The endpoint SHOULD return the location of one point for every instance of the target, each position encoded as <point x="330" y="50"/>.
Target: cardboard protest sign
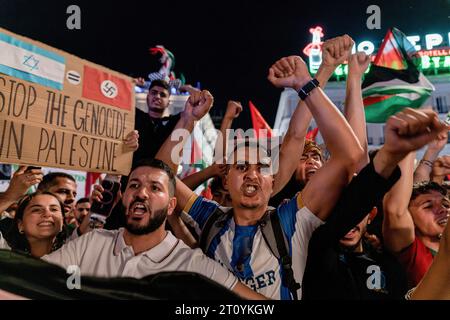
<point x="57" y="110"/>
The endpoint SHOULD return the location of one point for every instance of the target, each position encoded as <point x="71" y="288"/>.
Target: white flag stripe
<point x="38" y="65"/>
<point x="422" y="83"/>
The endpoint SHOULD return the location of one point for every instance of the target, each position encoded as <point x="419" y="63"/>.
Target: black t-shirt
<point x="331" y="273"/>
<point x="357" y="276"/>
<point x="152" y="133"/>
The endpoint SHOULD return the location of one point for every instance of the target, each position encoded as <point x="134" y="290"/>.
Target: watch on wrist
<point x="307" y="88"/>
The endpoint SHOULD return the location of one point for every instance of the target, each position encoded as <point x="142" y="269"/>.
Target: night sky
<point x="226" y="45"/>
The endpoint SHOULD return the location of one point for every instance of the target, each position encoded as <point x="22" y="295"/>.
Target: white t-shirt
<point x="243" y="250"/>
<point x="103" y="253"/>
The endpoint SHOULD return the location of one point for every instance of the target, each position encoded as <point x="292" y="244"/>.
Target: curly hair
<point x="18" y="241"/>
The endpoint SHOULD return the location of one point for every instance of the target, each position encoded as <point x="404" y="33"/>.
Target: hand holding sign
<point x="21" y="181"/>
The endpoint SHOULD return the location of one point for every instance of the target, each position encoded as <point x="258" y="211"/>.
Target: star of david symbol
<point x="31" y="62"/>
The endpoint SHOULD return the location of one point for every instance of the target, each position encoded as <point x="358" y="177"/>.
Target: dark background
<point x="226" y="45"/>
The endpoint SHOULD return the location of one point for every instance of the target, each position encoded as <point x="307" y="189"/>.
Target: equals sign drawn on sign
<point x="73" y="77"/>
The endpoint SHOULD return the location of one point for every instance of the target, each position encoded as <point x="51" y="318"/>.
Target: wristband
<point x="304" y="92"/>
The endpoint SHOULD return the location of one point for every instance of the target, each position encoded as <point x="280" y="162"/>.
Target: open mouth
<point x="45" y="224"/>
<point x="249" y="189"/>
<point x="310" y="172"/>
<point x="137" y="210"/>
<point x="443" y="222"/>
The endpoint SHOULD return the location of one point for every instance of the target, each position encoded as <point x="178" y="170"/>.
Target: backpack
<point x="273" y="235"/>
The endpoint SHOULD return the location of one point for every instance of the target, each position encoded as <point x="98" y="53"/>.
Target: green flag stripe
<point x="381" y="111"/>
<point x="384" y="90"/>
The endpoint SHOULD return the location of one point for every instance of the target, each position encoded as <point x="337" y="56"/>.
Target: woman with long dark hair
<point x="38" y="227"/>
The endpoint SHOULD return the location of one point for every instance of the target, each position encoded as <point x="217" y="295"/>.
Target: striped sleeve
<point x="200" y="209"/>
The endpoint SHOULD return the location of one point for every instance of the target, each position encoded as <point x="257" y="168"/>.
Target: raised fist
<point x="234" y="108"/>
<point x="336" y="50"/>
<point x="289" y="72"/>
<point x="198" y="104"/>
<point x="358" y="64"/>
<point x="411" y="129"/>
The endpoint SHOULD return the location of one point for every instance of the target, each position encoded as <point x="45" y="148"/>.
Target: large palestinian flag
<point x="394" y="81"/>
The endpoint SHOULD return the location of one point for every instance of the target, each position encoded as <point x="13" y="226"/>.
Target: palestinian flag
<point x="394" y="81"/>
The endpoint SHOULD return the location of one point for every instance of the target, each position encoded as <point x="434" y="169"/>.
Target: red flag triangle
<point x="258" y="122"/>
<point x="311" y="135"/>
<point x="91" y="177"/>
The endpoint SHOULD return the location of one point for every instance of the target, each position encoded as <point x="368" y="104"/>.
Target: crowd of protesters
<point x="290" y="223"/>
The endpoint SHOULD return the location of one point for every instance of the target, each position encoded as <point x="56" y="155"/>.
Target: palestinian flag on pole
<point x="394" y="81"/>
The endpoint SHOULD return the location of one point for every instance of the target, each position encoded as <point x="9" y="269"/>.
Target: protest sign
<point x="58" y="110"/>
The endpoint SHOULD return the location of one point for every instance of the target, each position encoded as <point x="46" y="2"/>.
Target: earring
<point x="21" y="231"/>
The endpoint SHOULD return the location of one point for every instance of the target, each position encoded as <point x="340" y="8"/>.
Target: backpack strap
<point x="275" y="238"/>
<point x="213" y="225"/>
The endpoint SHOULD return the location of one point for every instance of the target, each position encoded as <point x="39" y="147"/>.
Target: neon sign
<point x="433" y="60"/>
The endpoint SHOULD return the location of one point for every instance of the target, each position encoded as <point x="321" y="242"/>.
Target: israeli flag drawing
<point x="28" y="62"/>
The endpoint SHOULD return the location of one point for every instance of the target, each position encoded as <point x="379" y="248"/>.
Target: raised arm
<point x="197" y="178"/>
<point x="234" y="109"/>
<point x="398" y="226"/>
<point x="293" y="143"/>
<point x="425" y="166"/>
<point x="354" y="107"/>
<point x="345" y="150"/>
<point x="197" y="106"/>
<point x="20" y="182"/>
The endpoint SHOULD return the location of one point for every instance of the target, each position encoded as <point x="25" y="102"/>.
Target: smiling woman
<point x="39" y="225"/>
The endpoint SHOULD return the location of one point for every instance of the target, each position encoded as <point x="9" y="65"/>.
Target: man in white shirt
<point x="143" y="247"/>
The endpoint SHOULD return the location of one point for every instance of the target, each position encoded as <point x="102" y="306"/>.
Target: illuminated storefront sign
<point x="434" y="59"/>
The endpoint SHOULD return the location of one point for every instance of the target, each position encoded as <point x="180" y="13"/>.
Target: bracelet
<point x="427" y="163"/>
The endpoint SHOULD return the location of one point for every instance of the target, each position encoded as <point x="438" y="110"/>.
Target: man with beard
<point x="143" y="247"/>
<point x="82" y="208"/>
<point x="251" y="181"/>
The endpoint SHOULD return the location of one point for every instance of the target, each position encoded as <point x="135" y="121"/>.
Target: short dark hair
<point x="82" y="200"/>
<point x="49" y="180"/>
<point x="160" y="83"/>
<point x="247" y="143"/>
<point x="216" y="184"/>
<point x="158" y="164"/>
<point x="426" y="187"/>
